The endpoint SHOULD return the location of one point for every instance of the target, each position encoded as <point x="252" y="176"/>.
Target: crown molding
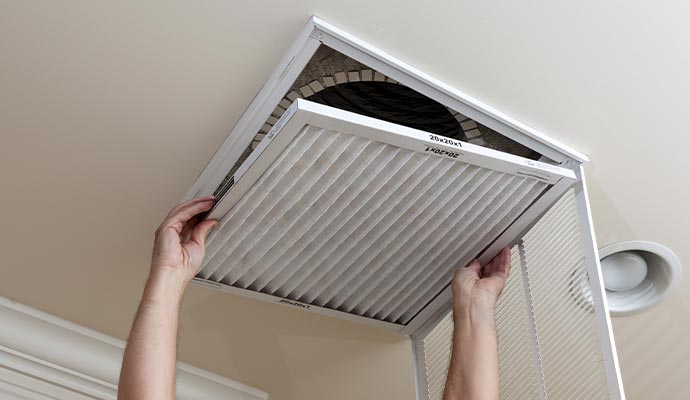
<point x="46" y="357"/>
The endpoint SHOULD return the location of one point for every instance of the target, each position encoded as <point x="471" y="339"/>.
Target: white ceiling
<point x="108" y="111"/>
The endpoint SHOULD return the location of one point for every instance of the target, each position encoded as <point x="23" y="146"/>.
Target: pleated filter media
<point x="547" y="334"/>
<point x="335" y="219"/>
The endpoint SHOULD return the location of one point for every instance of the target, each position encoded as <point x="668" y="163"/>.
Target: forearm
<point x="148" y="367"/>
<point x="473" y="371"/>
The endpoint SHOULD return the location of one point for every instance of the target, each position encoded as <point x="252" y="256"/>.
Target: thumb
<point x="201" y="230"/>
<point x="474" y="266"/>
<point x="468" y="272"/>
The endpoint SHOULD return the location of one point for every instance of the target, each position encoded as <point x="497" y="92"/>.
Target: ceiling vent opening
<point x="334" y="79"/>
<point x="392" y="103"/>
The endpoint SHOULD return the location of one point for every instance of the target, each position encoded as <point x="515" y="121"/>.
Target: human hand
<point x="479" y="286"/>
<point x="180" y="241"/>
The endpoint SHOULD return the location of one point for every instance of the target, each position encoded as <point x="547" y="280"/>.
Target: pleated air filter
<point x="369" y="218"/>
<point x="365" y="216"/>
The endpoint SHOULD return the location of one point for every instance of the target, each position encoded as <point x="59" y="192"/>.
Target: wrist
<point x="478" y="302"/>
<point x="165" y="287"/>
<point x="475" y="313"/>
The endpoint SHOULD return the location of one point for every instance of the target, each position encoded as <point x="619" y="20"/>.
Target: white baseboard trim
<point x="45" y="357"/>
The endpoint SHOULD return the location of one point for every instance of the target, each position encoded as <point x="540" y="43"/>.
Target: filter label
<point x="445" y="140"/>
<point x="294" y="304"/>
<point x="442" y="152"/>
<point x="533" y="174"/>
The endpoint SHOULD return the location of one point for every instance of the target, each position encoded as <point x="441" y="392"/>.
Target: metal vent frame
<point x="317" y="33"/>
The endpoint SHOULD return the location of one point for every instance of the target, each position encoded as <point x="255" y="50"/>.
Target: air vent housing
<point x="349" y="213"/>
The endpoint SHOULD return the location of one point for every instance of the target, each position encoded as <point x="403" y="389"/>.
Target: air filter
<point x="350" y="213"/>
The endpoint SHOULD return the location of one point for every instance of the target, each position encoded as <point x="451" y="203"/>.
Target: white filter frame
<point x="318" y="32"/>
<point x="303" y="112"/>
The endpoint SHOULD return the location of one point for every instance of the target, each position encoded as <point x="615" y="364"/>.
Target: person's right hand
<point x="479" y="286"/>
<point x="180" y="241"/>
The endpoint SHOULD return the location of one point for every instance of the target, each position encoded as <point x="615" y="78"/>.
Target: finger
<point x="501" y="263"/>
<point x="494" y="265"/>
<point x="187" y="230"/>
<point x="506" y="262"/>
<point x="169" y="218"/>
<point x="201" y="230"/>
<point x="490" y="267"/>
<point x="471" y="270"/>
<point x="178" y="207"/>
<point x="180" y="218"/>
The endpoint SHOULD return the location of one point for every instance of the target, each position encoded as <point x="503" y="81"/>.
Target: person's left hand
<point x="180" y="241"/>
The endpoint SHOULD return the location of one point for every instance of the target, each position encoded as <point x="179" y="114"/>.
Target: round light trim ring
<point x="664" y="273"/>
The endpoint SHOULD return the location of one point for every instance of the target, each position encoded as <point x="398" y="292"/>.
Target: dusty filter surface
<point x="357" y="225"/>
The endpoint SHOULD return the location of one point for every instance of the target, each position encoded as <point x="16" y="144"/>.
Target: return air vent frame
<point x="319" y="33"/>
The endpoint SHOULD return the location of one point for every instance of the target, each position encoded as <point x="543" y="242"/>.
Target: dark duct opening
<point x="392" y="103"/>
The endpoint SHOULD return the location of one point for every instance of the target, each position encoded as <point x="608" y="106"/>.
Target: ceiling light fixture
<point x="638" y="275"/>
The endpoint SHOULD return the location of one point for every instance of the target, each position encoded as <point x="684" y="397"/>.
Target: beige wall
<point x="108" y="111"/>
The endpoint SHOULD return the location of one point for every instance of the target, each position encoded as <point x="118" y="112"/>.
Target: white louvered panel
<point x="337" y="219"/>
<point x="517" y="367"/>
<point x="570" y="347"/>
<point x="437" y="350"/>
